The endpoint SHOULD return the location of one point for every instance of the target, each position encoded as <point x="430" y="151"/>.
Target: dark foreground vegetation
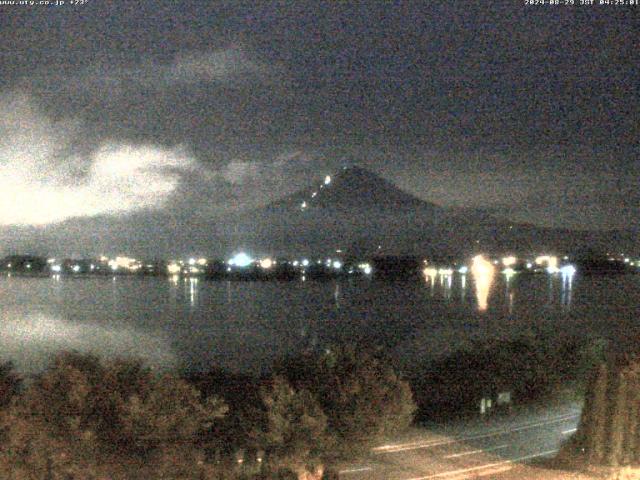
<point x="85" y="418"/>
<point x="527" y="369"/>
<point x="609" y="429"/>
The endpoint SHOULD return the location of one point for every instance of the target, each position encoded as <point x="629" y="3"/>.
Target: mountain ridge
<point x="351" y="187"/>
<point x="358" y="209"/>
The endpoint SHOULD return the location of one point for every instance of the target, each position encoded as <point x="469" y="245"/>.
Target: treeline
<point x="83" y="418"/>
<point x="87" y="418"/>
<point x="527" y="368"/>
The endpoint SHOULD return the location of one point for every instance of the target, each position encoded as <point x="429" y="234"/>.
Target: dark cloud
<point x="528" y="111"/>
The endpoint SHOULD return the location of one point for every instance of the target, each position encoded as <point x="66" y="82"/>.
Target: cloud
<point x="210" y="66"/>
<point x="42" y="181"/>
<point x="31" y="339"/>
<point x="228" y="66"/>
<point x="269" y="172"/>
<point x="238" y="171"/>
<point x="114" y="151"/>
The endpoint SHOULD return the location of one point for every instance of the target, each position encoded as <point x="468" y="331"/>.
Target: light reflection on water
<point x="567" y="290"/>
<point x="483" y="272"/>
<point x="486" y="281"/>
<point x="242" y="325"/>
<point x="193" y="283"/>
<point x="463" y="289"/>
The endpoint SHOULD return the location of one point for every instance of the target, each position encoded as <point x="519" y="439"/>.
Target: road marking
<point x="355" y="470"/>
<point x="494" y="471"/>
<point x="472" y="452"/>
<point x="491" y="471"/>
<point x="484" y="467"/>
<point x="567" y="432"/>
<point x="494" y="432"/>
<point x="434" y="443"/>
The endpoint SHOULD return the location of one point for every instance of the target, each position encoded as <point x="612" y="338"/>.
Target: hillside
<point x="358" y="211"/>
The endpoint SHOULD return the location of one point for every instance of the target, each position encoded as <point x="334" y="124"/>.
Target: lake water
<point x="242" y="326"/>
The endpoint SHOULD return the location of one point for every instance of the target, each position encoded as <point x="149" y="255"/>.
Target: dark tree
<point x="608" y="432"/>
<point x="10" y="383"/>
<point x="82" y="415"/>
<point x="294" y="429"/>
<point x="363" y="397"/>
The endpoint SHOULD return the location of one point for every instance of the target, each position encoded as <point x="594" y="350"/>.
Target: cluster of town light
<point x="483" y="271"/>
<point x="192" y="266"/>
<point x="240" y="260"/>
<point x="480" y="266"/>
<point x="304" y="262"/>
<point x="117" y="264"/>
<point x="631" y="263"/>
<point x="124" y="263"/>
<point x="509" y="261"/>
<point x="623" y="258"/>
<point x="548" y="261"/>
<point x="243" y="260"/>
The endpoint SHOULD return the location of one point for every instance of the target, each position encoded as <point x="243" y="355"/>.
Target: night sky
<point x="193" y="109"/>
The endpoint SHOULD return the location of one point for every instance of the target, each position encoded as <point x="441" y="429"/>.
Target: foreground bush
<point x="84" y="418"/>
<point x="361" y="395"/>
<point x="293" y="433"/>
<point x="82" y="414"/>
<point x="529" y="368"/>
<point x="10" y="383"/>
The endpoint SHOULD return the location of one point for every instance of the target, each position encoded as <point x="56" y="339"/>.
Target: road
<point x="471" y="449"/>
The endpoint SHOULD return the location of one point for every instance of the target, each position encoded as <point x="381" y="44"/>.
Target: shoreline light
<point x="366" y="268"/>
<point x="241" y="260"/>
<point x="550" y="261"/>
<point x="124" y="263"/>
<point x="509" y="261"/>
<point x="266" y="263"/>
<point x="173" y="269"/>
<point x="430" y="273"/>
